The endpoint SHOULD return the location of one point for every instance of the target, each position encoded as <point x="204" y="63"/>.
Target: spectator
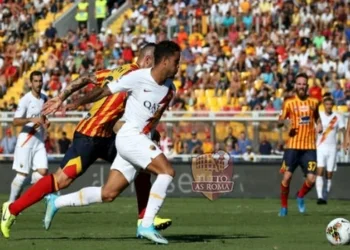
<point x="243" y="142"/>
<point x="230" y="139"/>
<point x="8" y="143"/>
<point x="101" y="11"/>
<point x="194" y="145"/>
<point x="265" y="147"/>
<point x="338" y="95"/>
<point x="63" y="143"/>
<point x="279" y="150"/>
<point x="208" y="145"/>
<point x="51" y="32"/>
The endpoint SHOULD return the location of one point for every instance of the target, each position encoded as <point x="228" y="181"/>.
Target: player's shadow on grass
<point x="188" y="238"/>
<point x="180" y="238"/>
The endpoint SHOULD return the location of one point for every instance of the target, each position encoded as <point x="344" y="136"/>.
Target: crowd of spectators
<point x="246" y="52"/>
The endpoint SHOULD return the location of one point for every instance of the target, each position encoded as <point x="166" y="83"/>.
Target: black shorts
<point x="306" y="159"/>
<point x="84" y="151"/>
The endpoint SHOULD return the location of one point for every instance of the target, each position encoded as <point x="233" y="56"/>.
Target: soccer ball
<point x="338" y="232"/>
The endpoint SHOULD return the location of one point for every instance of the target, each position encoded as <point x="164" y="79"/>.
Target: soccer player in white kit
<point x="332" y="122"/>
<point x="30" y="153"/>
<point x="150" y="92"/>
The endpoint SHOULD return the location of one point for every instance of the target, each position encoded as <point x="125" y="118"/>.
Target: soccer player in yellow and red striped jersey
<point x="94" y="138"/>
<point x="302" y="111"/>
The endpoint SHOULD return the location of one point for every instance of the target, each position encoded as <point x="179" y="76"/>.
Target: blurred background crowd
<point x="238" y="55"/>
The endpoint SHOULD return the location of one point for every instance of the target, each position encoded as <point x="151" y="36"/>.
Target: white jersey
<point x="28" y="107"/>
<point x="146" y="103"/>
<point x="331" y="124"/>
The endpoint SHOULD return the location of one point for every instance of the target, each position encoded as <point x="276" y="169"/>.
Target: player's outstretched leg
<point x="84" y="197"/>
<point x="46" y="185"/>
<point x="143" y="186"/>
<point x="165" y="173"/>
<point x="305" y="188"/>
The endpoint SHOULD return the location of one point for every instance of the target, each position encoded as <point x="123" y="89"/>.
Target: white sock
<point x="83" y="197"/>
<point x="16" y="187"/>
<point x="319" y="186"/>
<point x="35" y="177"/>
<point x="156" y="198"/>
<point x="329" y="185"/>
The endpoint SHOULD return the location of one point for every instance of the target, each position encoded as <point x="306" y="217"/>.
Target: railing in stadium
<point x="172" y="119"/>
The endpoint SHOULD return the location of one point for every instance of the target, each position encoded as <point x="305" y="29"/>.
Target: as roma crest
<point x="212" y="174"/>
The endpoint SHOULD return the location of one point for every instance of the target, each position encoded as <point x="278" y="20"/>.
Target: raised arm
<point x="77" y="84"/>
<point x="52" y="105"/>
<point x="93" y="96"/>
<point x="123" y="84"/>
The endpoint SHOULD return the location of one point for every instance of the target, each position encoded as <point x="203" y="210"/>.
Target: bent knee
<point x="62" y="179"/>
<point x="311" y="179"/>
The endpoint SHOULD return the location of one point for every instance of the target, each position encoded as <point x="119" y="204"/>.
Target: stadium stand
<point x="238" y="55"/>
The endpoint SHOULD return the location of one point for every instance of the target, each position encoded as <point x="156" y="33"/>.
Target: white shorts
<point x="326" y="157"/>
<point x="136" y="151"/>
<point x="26" y="159"/>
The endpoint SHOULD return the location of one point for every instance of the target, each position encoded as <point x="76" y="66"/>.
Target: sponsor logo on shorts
<point x="212" y="174"/>
<point x="152" y="147"/>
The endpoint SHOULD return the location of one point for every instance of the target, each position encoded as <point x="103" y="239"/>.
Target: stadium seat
<point x="245" y="75"/>
<point x="245" y="108"/>
<point x="325" y="90"/>
<point x="74" y="76"/>
<point x="177" y="84"/>
<point x="258" y="84"/>
<point x="199" y="93"/>
<point x="222" y="101"/>
<point x="209" y="93"/>
<point x="212" y="102"/>
<point x="201" y="100"/>
<point x="279" y="92"/>
<point x="241" y="100"/>
<point x="342" y="109"/>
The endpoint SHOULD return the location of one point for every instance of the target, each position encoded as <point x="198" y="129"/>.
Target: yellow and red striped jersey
<point x="303" y="115"/>
<point x="106" y="112"/>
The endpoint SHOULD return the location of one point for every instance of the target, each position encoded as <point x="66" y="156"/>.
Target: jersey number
<point x="312" y="166"/>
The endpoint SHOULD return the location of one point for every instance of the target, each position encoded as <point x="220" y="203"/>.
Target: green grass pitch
<point x="197" y="224"/>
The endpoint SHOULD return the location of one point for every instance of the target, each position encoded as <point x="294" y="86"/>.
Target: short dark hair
<point x="302" y="75"/>
<point x="328" y="99"/>
<point x="147" y="47"/>
<point x="327" y="94"/>
<point x="165" y="49"/>
<point x="35" y="73"/>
